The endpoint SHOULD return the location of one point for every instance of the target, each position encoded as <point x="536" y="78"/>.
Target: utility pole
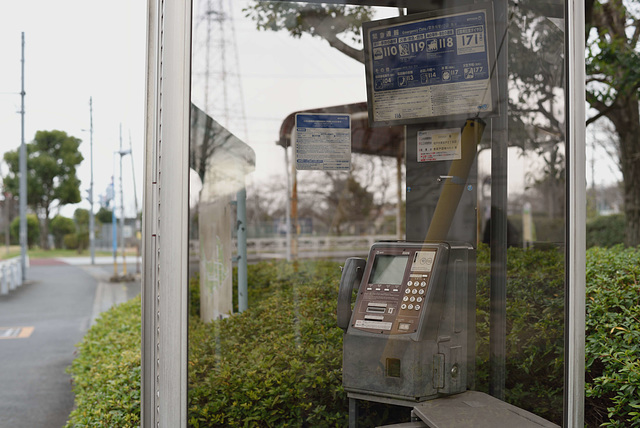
<point x="92" y="232"/>
<point x="23" y="182"/>
<point x="114" y="227"/>
<point x="135" y="199"/>
<point x="124" y="260"/>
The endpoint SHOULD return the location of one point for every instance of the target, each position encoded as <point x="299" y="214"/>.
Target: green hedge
<point x="613" y="337"/>
<point x="535" y="338"/>
<point x="606" y="231"/>
<point x="279" y="363"/>
<point x="106" y="372"/>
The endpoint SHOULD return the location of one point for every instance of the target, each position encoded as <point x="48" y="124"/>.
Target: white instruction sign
<point x="439" y="145"/>
<point x="323" y="142"/>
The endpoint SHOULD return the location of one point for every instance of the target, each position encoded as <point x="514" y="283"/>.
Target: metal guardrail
<point x="315" y="243"/>
<point x="308" y="246"/>
<point x="11" y="274"/>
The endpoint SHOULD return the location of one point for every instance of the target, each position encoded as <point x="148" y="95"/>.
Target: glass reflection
<point x="281" y="360"/>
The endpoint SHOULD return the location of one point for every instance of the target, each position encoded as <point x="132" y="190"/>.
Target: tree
<point x="104" y="215"/>
<point x="333" y="23"/>
<point x="52" y="158"/>
<point x="61" y="226"/>
<point x="348" y="203"/>
<point x="613" y="83"/>
<point x="81" y="219"/>
<point x="536" y="103"/>
<point x="342" y="203"/>
<point x="33" y="230"/>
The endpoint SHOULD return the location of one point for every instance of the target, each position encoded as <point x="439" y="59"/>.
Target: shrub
<point x="534" y="326"/>
<point x="606" y="231"/>
<point x="33" y="230"/>
<point x="613" y="338"/>
<point x="194" y="295"/>
<point x="275" y="364"/>
<point x="70" y="241"/>
<point x="59" y="227"/>
<point x="279" y="362"/>
<point x="106" y="371"/>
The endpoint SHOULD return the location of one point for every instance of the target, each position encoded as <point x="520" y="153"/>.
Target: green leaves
<point x="298" y="19"/>
<point x="613" y="337"/>
<point x="52" y="158"/>
<point x="278" y="363"/>
<point x="106" y="372"/>
<point x="535" y="329"/>
<point x="333" y="23"/>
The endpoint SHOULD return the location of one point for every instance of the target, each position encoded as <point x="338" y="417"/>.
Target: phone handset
<point x="351" y="276"/>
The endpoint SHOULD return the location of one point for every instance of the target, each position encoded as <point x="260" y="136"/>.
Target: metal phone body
<point x="411" y="335"/>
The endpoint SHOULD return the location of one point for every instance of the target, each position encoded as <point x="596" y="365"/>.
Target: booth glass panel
<point x="316" y="167"/>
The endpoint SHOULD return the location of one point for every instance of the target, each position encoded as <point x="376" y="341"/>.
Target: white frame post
<point x="576" y="207"/>
<point x="164" y="280"/>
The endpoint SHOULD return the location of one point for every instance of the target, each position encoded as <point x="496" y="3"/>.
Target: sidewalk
<point x="40" y="324"/>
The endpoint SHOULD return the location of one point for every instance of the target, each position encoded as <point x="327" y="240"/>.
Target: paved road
<point x="56" y="305"/>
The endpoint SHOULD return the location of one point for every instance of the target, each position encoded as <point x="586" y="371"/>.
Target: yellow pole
<point x="455" y="182"/>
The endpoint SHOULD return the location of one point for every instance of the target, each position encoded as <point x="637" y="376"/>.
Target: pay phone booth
<point x="410" y="335"/>
<point x="485" y="100"/>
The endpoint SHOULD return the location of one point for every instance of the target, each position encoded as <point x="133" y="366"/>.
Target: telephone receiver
<point x="351" y="275"/>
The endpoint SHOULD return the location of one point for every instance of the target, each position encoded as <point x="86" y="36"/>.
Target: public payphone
<point x="410" y="335"/>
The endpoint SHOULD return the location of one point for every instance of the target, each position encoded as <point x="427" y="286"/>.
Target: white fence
<point x="11" y="274"/>
<point x="316" y="245"/>
<point x="308" y="246"/>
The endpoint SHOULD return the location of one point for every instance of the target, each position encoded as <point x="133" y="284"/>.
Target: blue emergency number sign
<point x="323" y="141"/>
<point x="425" y="67"/>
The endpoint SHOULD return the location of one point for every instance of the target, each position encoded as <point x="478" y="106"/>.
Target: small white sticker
<point x="422" y="262"/>
<point x="439" y="145"/>
<point x="373" y="325"/>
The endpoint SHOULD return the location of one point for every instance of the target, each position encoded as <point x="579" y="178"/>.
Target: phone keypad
<point x="414" y="295"/>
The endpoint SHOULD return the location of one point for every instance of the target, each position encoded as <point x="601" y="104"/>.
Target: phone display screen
<point x="388" y="269"/>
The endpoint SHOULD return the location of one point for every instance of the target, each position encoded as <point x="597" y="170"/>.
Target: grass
<point x="38" y="253"/>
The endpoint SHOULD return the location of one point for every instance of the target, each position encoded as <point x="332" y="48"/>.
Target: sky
<point x="77" y="50"/>
<point x="81" y="49"/>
